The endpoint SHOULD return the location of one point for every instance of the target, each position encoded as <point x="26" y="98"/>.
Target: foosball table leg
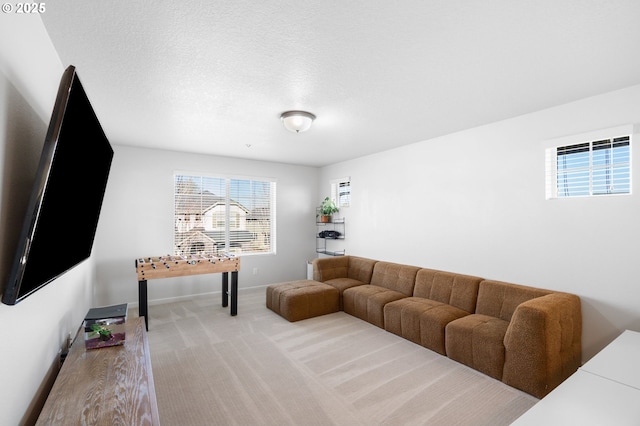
<point x="225" y="289"/>
<point x="234" y="293"/>
<point x="142" y="302"/>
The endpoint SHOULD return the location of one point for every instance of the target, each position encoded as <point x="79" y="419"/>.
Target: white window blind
<point x="222" y="214"/>
<point x="341" y="191"/>
<point x="592" y="168"/>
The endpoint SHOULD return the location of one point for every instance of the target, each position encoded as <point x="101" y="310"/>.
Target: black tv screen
<point x="65" y="202"/>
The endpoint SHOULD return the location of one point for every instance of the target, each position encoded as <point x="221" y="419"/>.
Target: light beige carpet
<point x="257" y="368"/>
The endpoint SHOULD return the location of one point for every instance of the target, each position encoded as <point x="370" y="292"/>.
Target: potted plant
<point x="102" y="330"/>
<point x="327" y="208"/>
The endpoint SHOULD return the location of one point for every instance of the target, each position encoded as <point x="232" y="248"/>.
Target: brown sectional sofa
<point x="298" y="300"/>
<point x="527" y="337"/>
<point x="344" y="272"/>
<point x="389" y="282"/>
<point x="438" y="298"/>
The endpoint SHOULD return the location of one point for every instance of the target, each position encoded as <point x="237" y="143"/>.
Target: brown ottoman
<point x="298" y="300"/>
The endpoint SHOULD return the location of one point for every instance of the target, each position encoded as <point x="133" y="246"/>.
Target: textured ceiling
<point x="213" y="77"/>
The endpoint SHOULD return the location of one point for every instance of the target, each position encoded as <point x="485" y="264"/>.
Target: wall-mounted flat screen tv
<point x="65" y="202"/>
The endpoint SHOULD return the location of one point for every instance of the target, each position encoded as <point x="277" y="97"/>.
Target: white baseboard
<point x="151" y="302"/>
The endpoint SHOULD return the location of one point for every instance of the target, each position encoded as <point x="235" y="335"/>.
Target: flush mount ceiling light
<point x="297" y="121"/>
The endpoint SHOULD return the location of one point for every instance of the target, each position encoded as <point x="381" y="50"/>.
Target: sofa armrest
<point x="543" y="343"/>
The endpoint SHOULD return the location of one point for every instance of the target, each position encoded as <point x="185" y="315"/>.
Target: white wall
<point x="137" y="221"/>
<point x="474" y="202"/>
<point x="33" y="331"/>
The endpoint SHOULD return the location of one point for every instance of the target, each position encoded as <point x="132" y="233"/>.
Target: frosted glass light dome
<point x="297" y="121"/>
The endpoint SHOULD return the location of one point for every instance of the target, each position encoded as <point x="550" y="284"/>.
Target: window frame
<point x="341" y="191"/>
<point x="585" y="143"/>
<point x="231" y="183"/>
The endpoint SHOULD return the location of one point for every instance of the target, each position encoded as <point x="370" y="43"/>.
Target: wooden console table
<point x="106" y="386"/>
<point x="179" y="266"/>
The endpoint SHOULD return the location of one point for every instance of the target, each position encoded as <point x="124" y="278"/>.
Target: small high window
<point x="590" y="168"/>
<point x="341" y="191"/>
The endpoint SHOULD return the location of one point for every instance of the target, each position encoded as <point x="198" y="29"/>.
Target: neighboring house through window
<point x="223" y="214"/>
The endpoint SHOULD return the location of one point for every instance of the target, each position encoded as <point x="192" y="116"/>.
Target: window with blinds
<point x="341" y="192"/>
<point x="223" y="215"/>
<point x="599" y="167"/>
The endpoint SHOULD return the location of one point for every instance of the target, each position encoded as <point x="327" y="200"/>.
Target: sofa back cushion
<point x="499" y="299"/>
<point x="393" y="276"/>
<point x="360" y="269"/>
<point x="456" y="290"/>
<point x="329" y="268"/>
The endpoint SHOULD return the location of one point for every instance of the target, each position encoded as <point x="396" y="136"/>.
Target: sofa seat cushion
<point x="367" y="302"/>
<point x="477" y="341"/>
<point x="421" y="321"/>
<point x="298" y="300"/>
<point x="342" y="284"/>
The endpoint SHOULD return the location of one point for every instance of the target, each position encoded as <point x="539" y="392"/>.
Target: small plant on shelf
<point x="327" y="208"/>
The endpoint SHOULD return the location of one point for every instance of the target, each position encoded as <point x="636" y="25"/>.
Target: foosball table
<point x="168" y="266"/>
